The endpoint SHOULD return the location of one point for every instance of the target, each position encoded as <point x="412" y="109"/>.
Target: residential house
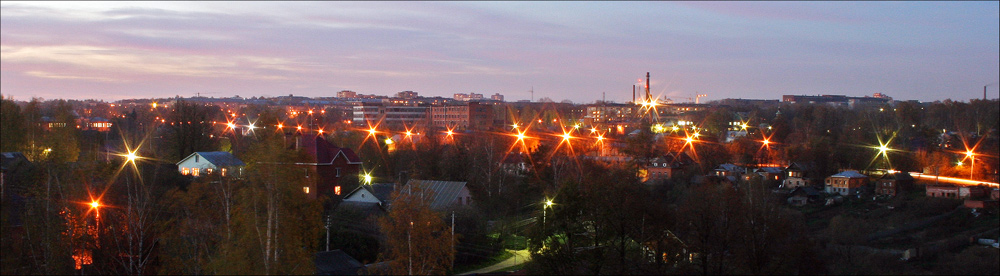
<point x="846" y="183"/>
<point x="797" y="175"/>
<point x="956" y="192"/>
<point x="891" y="184"/>
<point x="770" y="173"/>
<point x="207" y="162"/>
<point x="445" y="193"/>
<point x="327" y="166"/>
<point x="729" y="172"/>
<point x="800" y="196"/>
<point x="664" y="167"/>
<point x="377" y="193"/>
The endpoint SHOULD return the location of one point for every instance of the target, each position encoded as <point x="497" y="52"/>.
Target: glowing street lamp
<point x="548" y="204"/>
<point x="367" y="178"/>
<point x="131" y="157"/>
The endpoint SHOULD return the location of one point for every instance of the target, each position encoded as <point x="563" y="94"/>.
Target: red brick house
<point x="327" y="166"/>
<point x="846" y="183"/>
<point x="891" y="184"/>
<point x="664" y="167"/>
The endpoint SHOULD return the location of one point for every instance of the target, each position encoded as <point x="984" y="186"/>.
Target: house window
<point x="208" y="171"/>
<point x="194" y="171"/>
<point x="305" y="189"/>
<point x="338" y="172"/>
<point x="185" y="171"/>
<point x="196" y="158"/>
<point x="459" y="200"/>
<point x="336" y="190"/>
<point x="223" y="171"/>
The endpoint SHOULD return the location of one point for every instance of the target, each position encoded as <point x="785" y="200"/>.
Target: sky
<point x="577" y="51"/>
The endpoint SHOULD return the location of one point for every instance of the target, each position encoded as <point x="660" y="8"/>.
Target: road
<point x="520" y="256"/>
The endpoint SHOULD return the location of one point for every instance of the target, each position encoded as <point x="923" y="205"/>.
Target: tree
<point x="417" y="241"/>
<point x="13" y="136"/>
<point x="190" y="130"/>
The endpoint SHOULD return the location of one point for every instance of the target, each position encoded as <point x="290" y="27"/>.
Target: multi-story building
<point x="391" y="115"/>
<point x="846" y="183"/>
<point x="468" y="97"/>
<point x="470" y="115"/>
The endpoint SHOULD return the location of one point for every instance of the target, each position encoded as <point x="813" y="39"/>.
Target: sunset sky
<point x="563" y="50"/>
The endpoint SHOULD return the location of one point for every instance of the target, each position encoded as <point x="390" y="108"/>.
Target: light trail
<point x="953" y="180"/>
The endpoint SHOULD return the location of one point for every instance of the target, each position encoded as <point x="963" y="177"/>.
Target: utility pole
<point x="409" y="250"/>
<point x="453" y="238"/>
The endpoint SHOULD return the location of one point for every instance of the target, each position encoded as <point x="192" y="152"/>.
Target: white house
<point x="377" y="193"/>
<point x="207" y="162"/>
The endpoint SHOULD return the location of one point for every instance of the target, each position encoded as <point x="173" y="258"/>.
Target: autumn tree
<point x="417" y="241"/>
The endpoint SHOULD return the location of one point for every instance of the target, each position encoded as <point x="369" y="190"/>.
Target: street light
<point x="548" y="203"/>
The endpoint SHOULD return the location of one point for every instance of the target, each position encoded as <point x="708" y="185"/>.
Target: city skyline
<point x="580" y="52"/>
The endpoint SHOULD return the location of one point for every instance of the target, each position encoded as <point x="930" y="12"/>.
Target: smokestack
<point x="647" y="87"/>
<point x="633" y="93"/>
<point x="984" y="92"/>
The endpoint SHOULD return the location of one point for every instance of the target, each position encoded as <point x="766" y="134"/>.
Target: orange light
<point x="371" y="131"/>
<point x="95" y="204"/>
<point x="299" y="128"/>
<point x="766" y="142"/>
<point x="281" y="125"/>
<point x="969" y="153"/>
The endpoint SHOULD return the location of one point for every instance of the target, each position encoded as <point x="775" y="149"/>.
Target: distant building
<point x="470" y="115"/>
<point x="347" y="94"/>
<point x="208" y="162"/>
<point x="468" y="97"/>
<point x="497" y="97"/>
<point x="846" y="183"/>
<point x="407" y="95"/>
<point x="838" y="100"/>
<point x="389" y="115"/>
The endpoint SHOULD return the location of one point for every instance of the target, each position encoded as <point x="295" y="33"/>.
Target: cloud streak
<point x="570" y="51"/>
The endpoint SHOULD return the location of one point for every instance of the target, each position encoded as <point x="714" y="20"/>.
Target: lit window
<point x="194" y="171"/>
<point x="184" y="171"/>
<point x="223" y="171"/>
<point x="305" y="189"/>
<point x="336" y="190"/>
<point x="208" y="171"/>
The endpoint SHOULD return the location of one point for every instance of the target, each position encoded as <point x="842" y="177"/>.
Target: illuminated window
<point x="208" y="171"/>
<point x="184" y="171"/>
<point x="305" y="189"/>
<point x="194" y="171"/>
<point x="336" y="190"/>
<point x="223" y="171"/>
